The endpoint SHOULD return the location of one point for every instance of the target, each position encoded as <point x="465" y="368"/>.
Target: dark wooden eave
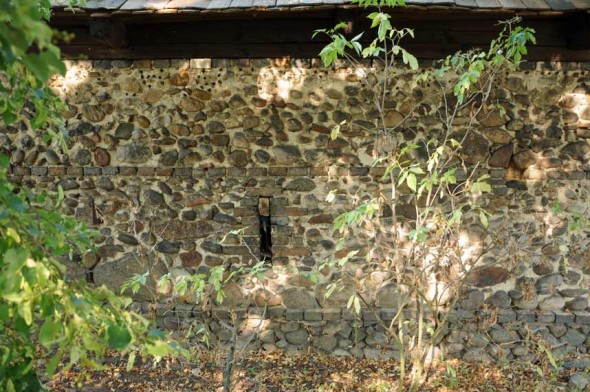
<point x="563" y="35"/>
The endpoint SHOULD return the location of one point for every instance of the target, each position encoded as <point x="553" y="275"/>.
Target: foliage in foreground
<point x="423" y="260"/>
<point x="42" y="315"/>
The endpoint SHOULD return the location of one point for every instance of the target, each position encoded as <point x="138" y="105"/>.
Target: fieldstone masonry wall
<point x="167" y="157"/>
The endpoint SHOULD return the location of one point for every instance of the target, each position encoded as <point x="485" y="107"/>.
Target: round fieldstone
<point x="87" y="142"/>
<point x="262" y="156"/>
<point x="102" y="157"/>
<point x="301" y="184"/>
<point x="577" y="304"/>
<point x="263" y="297"/>
<point x="298" y="298"/>
<point x="224" y="218"/>
<point x="554" y="302"/>
<point x="489" y="276"/>
<point x="189" y="158"/>
<point x="294" y="125"/>
<point x="238" y="158"/>
<point x="579" y="381"/>
<point x="250" y="122"/>
<point x="326" y="342"/>
<point x="574" y="337"/>
<point x="491" y="118"/>
<point x="393" y="118"/>
<point x="524" y="159"/>
<point x="169" y="158"/>
<point x="515" y="125"/>
<point x="190" y="104"/>
<point x="153" y="96"/>
<point x="82" y="157"/>
<point x="239" y="140"/>
<point x="215" y="127"/>
<point x="577" y="150"/>
<point x="334" y="94"/>
<point x="497" y="136"/>
<point x="124" y="131"/>
<point x="475" y="147"/>
<point x="220" y="140"/>
<point x="472" y="300"/>
<point x="105" y="183"/>
<point x="191" y="259"/>
<point x="212" y="247"/>
<point x="543" y="267"/>
<point x="93" y="113"/>
<point x="134" y="153"/>
<point x="547" y="283"/>
<point x="213" y="261"/>
<point x="500" y="299"/>
<point x="52" y="157"/>
<point x="500" y="336"/>
<point x="127" y="239"/>
<point x="201" y="94"/>
<point x="154" y="198"/>
<point x="236" y="102"/>
<point x="187" y="143"/>
<point x="109" y="251"/>
<point x="502" y="156"/>
<point x="167" y="247"/>
<point x="476" y="355"/>
<point x="179" y="129"/>
<point x="218" y="106"/>
<point x="90" y="260"/>
<point x="554" y="132"/>
<point x="526" y="304"/>
<point x="298" y="337"/>
<point x="189" y="215"/>
<point x="339" y="116"/>
<point x="286" y="154"/>
<point x="17" y="157"/>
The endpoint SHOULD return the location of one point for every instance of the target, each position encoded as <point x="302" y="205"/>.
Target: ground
<point x="305" y="372"/>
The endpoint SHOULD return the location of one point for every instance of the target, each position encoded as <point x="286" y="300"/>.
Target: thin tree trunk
<point x="229" y="361"/>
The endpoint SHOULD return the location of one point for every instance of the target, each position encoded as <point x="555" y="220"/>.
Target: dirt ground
<point x="278" y="371"/>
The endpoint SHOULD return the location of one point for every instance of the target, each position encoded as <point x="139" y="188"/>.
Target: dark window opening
<point x="265" y="229"/>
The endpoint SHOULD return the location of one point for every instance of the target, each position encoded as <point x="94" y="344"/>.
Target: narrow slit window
<point x="265" y="229"/>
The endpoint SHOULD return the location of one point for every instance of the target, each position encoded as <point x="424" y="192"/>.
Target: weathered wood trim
<point x="108" y="29"/>
<point x="578" y="31"/>
<point x="277" y="34"/>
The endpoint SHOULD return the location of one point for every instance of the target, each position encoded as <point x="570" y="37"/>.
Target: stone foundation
<point x="480" y="336"/>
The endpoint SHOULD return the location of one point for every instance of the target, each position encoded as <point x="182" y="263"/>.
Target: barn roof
<point x="187" y="6"/>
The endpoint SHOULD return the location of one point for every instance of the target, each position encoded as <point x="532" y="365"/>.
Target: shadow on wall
<point x="168" y="157"/>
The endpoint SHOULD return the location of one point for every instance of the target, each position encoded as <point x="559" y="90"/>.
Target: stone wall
<point x="167" y="157"/>
<point x="475" y="335"/>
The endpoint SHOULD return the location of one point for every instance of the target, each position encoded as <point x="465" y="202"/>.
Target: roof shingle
<point x="170" y="5"/>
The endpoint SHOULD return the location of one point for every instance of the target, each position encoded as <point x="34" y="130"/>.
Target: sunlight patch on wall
<point x="273" y="81"/>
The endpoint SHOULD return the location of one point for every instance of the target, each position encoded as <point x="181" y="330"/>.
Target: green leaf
<point x="483" y="219"/>
<point x="357" y="305"/>
<point x="158" y="349"/>
<point x="49" y="333"/>
<point x="25" y="310"/>
<point x="410" y="60"/>
<point x="130" y="361"/>
<point x="411" y="181"/>
<point x="15" y="259"/>
<point x="37" y="65"/>
<point x="118" y="336"/>
<point x="53" y="362"/>
<point x="336" y="130"/>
